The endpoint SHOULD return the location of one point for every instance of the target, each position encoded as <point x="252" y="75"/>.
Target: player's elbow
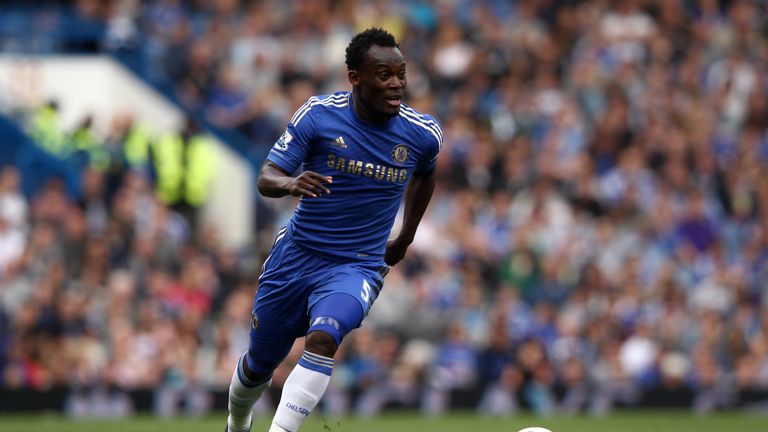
<point x="271" y="182"/>
<point x="264" y="188"/>
<point x="267" y="188"/>
<point x="263" y="192"/>
<point x="263" y="181"/>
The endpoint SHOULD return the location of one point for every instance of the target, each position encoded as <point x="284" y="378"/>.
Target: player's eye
<point x="383" y="76"/>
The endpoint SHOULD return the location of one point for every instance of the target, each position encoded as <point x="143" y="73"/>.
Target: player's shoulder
<point x="424" y="124"/>
<point x="410" y="113"/>
<point x="320" y="103"/>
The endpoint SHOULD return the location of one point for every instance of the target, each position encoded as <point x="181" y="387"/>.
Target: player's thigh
<point x="271" y="337"/>
<point x="279" y="313"/>
<point x="287" y="280"/>
<point x="336" y="314"/>
<point x="345" y="295"/>
<point x="283" y="251"/>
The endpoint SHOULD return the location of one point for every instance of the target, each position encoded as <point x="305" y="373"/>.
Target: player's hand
<point x="309" y="184"/>
<point x="395" y="252"/>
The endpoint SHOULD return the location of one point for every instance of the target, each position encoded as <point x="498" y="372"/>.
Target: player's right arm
<point x="276" y="182"/>
<point x="289" y="152"/>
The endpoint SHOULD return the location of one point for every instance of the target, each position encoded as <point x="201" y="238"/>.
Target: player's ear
<point x="354" y="77"/>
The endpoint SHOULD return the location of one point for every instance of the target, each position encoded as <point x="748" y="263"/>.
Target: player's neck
<point x="366" y="114"/>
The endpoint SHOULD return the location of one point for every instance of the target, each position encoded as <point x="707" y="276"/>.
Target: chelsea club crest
<point x="254" y="321"/>
<point x="400" y="153"/>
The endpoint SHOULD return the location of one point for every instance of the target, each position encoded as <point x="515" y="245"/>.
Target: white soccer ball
<point x="534" y="429"/>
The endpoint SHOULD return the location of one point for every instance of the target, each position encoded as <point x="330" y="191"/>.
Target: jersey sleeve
<point x="433" y="143"/>
<point x="292" y="147"/>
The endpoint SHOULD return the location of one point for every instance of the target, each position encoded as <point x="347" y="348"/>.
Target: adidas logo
<point x="339" y="142"/>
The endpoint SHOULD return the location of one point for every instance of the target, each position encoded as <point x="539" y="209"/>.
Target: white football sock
<point x="302" y="391"/>
<point x="243" y="394"/>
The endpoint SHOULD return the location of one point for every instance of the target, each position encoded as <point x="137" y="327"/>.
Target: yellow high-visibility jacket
<point x="184" y="171"/>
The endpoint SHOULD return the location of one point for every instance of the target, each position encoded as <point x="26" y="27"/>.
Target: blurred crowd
<point x="600" y="228"/>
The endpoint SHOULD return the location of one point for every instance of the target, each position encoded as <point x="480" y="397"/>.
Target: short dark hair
<point x="363" y="41"/>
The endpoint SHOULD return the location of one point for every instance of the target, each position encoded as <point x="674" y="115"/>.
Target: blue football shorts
<point x="300" y="292"/>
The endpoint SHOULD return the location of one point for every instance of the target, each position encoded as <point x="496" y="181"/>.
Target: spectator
<point x="599" y="229"/>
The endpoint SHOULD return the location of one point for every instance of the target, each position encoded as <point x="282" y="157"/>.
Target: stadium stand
<point x="599" y="236"/>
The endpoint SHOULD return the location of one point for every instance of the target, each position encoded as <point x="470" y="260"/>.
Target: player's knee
<point x="255" y="369"/>
<point x="322" y="343"/>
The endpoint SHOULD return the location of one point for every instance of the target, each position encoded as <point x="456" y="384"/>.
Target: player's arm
<point x="287" y="155"/>
<point x="276" y="182"/>
<point x="417" y="196"/>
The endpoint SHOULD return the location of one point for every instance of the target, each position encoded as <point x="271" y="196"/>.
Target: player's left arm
<point x="417" y="196"/>
<point x="419" y="191"/>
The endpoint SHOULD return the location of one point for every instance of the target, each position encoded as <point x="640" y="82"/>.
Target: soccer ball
<point x="534" y="429"/>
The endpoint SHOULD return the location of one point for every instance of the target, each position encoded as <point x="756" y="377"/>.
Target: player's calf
<point x="303" y="389"/>
<point x="245" y="389"/>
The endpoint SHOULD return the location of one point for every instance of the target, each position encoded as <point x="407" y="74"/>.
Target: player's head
<point x="376" y="69"/>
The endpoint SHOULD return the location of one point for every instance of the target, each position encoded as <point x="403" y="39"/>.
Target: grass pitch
<point x="630" y="421"/>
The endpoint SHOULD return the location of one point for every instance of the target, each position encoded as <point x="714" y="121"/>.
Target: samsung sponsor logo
<point x="367" y="169"/>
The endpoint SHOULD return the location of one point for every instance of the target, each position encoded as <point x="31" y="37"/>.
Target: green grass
<point x="631" y="421"/>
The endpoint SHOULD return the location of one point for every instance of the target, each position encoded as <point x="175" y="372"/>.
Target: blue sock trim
<point x="317" y="363"/>
<point x="244" y="379"/>
<point x="316" y="358"/>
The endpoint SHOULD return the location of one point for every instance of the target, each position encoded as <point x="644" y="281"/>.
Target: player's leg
<point x="331" y="318"/>
<point x="253" y="373"/>
<point x="278" y="318"/>
<point x="245" y="389"/>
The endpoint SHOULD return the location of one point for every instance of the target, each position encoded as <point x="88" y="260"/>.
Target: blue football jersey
<point x="371" y="165"/>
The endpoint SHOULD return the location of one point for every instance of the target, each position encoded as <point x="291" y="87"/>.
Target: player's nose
<point x="396" y="83"/>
